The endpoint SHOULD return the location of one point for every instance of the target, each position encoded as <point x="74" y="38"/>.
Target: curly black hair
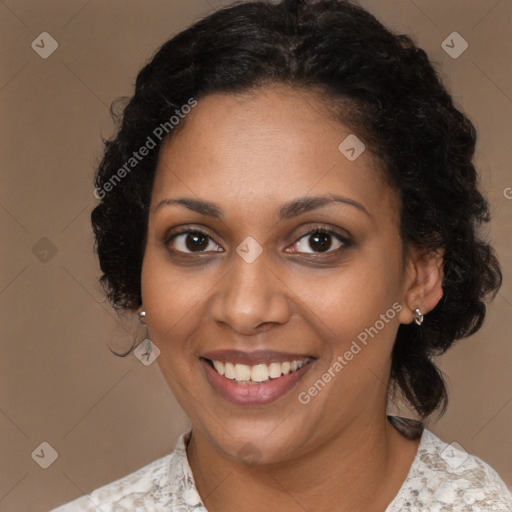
<point x="389" y="94"/>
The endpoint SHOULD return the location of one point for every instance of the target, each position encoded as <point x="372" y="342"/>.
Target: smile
<point x="259" y="373"/>
<point x="259" y="383"/>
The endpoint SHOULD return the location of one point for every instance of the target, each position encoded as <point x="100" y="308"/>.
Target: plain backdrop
<point x="105" y="417"/>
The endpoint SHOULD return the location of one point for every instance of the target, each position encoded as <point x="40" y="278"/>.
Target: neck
<point x="360" y="469"/>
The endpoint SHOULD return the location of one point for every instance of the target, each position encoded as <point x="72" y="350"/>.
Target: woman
<point x="291" y="207"/>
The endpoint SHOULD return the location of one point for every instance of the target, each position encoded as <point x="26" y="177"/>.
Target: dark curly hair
<point x="379" y="84"/>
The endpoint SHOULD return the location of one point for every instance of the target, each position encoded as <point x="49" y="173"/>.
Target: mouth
<point x="258" y="383"/>
<point x="256" y="374"/>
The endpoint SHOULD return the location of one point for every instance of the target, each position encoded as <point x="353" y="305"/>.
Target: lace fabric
<point x="442" y="478"/>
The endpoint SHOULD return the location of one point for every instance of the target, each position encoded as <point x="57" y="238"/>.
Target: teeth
<point x="219" y="366"/>
<point x="274" y="370"/>
<point x="242" y="372"/>
<point x="246" y="374"/>
<point x="259" y="373"/>
<point x="229" y="371"/>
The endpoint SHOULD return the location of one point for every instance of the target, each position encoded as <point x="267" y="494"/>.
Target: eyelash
<point x="316" y="230"/>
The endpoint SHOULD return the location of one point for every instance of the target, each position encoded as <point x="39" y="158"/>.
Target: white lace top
<point x="442" y="478"/>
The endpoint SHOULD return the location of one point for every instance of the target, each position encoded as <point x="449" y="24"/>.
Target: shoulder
<point x="444" y="477"/>
<point x="131" y="490"/>
<point x="157" y="484"/>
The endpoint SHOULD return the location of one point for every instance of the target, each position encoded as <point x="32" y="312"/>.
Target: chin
<point x="259" y="442"/>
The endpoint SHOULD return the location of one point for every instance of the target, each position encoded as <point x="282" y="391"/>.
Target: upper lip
<point x="253" y="358"/>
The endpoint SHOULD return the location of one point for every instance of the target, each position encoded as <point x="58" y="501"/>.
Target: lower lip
<point x="253" y="394"/>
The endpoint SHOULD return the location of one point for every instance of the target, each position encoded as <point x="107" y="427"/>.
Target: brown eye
<point x="190" y="241"/>
<point x="321" y="241"/>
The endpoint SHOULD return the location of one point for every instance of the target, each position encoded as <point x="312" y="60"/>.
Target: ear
<point x="423" y="285"/>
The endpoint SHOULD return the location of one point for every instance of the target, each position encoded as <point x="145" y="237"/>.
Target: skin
<point x="249" y="154"/>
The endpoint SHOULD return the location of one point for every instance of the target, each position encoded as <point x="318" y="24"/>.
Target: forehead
<point x="254" y="149"/>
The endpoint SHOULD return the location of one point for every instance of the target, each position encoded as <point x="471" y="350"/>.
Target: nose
<point x="251" y="297"/>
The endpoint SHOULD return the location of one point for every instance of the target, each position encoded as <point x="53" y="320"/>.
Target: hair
<point x="389" y="94"/>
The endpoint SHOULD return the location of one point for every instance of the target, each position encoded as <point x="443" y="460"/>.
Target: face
<point x="254" y="274"/>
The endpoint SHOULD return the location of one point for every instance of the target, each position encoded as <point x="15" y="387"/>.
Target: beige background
<point x="60" y="384"/>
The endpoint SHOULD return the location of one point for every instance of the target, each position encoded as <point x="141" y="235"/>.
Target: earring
<point x="142" y="314"/>
<point x="418" y="317"/>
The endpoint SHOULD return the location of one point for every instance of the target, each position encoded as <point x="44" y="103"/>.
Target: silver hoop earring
<point x="418" y="317"/>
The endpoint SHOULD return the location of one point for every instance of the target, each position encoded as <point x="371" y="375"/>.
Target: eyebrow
<point x="286" y="211"/>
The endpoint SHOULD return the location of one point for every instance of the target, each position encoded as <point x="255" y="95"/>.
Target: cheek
<point x="339" y="303"/>
<point x="172" y="301"/>
<point x="347" y="300"/>
<point x="355" y="315"/>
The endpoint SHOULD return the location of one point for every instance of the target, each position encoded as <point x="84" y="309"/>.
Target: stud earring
<point x="418" y="317"/>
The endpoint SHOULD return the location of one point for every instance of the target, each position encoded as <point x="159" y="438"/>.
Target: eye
<point x="190" y="241"/>
<point x="320" y="240"/>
